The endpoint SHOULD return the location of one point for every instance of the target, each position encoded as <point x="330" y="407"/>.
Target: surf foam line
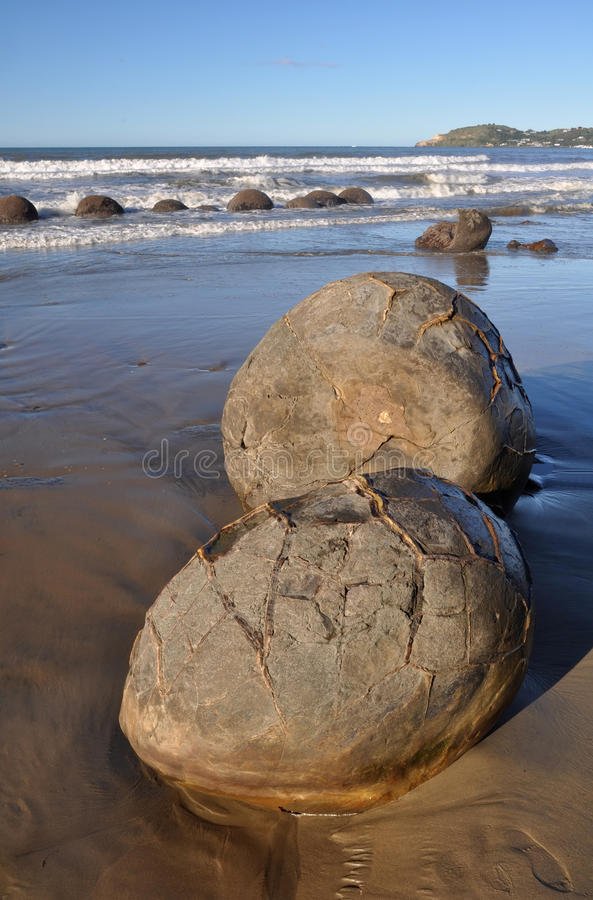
<point x="50" y="234"/>
<point x="49" y="169"/>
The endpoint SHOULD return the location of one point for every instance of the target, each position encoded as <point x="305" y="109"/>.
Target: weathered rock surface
<point x="376" y="371"/>
<point x="471" y="232"/>
<point x="248" y="200"/>
<point x="356" y="195"/>
<point x="316" y="200"/>
<point x="330" y="652"/>
<point x="543" y="246"/>
<point x="15" y="210"/>
<point x="169" y="205"/>
<point x="98" y="206"/>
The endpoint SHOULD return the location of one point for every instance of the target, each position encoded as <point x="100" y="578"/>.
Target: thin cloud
<point x="290" y="63"/>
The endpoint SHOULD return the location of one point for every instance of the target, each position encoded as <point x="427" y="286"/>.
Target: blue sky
<point x="240" y="73"/>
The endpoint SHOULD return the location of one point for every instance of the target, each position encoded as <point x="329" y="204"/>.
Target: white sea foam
<point x="70" y="233"/>
<point x="48" y="169"/>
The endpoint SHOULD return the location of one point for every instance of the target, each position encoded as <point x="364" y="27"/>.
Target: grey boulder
<point x="330" y="652"/>
<point x="378" y="371"/>
<point x="471" y="232"/>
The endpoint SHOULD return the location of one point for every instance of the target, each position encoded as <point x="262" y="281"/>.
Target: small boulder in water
<point x="328" y="653"/>
<point x="169" y="205"/>
<point x="356" y="195"/>
<point x="208" y="207"/>
<point x="471" y="232"/>
<point x="97" y="206"/>
<point x="15" y="210"/>
<point x="316" y="200"/>
<point x="543" y="246"/>
<point x="248" y="200"/>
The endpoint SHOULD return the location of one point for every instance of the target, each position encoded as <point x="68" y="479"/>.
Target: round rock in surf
<point x="316" y="200"/>
<point x="168" y="206"/>
<point x="16" y="210"/>
<point x="249" y="200"/>
<point x="97" y="206"/>
<point x="379" y="370"/>
<point x="330" y="652"/>
<point x="356" y="195"/>
<point x="471" y="232"/>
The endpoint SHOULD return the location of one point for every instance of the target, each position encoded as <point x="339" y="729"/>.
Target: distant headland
<point x="503" y="136"/>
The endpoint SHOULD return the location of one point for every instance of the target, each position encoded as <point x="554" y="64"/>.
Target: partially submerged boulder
<point x="316" y="200"/>
<point x="16" y="210"/>
<point x="330" y="652"/>
<point x="471" y="232"/>
<point x="248" y="200"/>
<point x="543" y="246"/>
<point x="356" y="195"/>
<point x="168" y="205"/>
<point x="97" y="206"/>
<point x="376" y="371"/>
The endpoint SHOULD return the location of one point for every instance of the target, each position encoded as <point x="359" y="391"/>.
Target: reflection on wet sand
<point x="471" y="269"/>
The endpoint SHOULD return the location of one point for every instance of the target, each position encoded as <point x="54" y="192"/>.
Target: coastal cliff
<point x="503" y="136"/>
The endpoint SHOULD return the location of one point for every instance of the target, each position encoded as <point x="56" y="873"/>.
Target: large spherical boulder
<point x="316" y="200"/>
<point x="379" y="370"/>
<point x="15" y="210"/>
<point x="356" y="195"/>
<point x="97" y="206"/>
<point x="327" y="653"/>
<point x="248" y="200"/>
<point x="471" y="232"/>
<point x="168" y="205"/>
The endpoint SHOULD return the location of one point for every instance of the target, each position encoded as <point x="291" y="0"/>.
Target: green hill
<point x="504" y="136"/>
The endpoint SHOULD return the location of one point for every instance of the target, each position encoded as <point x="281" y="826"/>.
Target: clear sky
<point x="221" y="72"/>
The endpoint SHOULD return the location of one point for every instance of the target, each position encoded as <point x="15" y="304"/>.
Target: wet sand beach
<point x="109" y="353"/>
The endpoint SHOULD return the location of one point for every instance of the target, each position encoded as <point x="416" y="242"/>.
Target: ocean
<point x="118" y="341"/>
<point x="409" y="185"/>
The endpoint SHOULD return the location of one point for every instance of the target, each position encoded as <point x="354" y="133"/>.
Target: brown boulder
<point x="167" y="206"/>
<point x="376" y="371"/>
<point x="471" y="232"/>
<point x="543" y="246"/>
<point x="356" y="195"/>
<point x="316" y="200"/>
<point x="15" y="210"/>
<point x="331" y="652"/>
<point x="97" y="206"/>
<point x="248" y="200"/>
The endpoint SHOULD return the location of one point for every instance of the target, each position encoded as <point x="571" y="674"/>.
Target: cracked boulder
<point x="373" y="372"/>
<point x="331" y="652"/>
<point x="471" y="232"/>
